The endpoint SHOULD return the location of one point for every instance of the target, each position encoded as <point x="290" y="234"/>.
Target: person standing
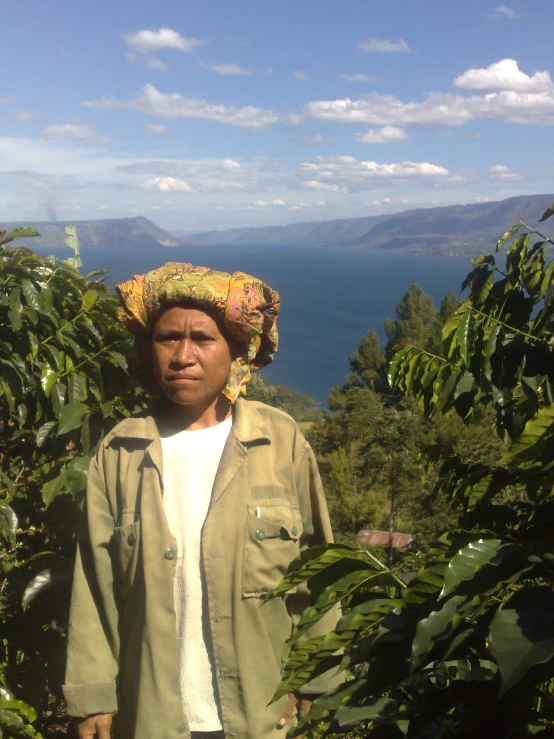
<point x="194" y="510"/>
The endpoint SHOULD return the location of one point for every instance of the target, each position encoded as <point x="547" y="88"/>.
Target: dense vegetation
<point x="466" y="647"/>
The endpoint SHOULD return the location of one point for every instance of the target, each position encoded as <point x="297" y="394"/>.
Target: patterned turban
<point x="248" y="307"/>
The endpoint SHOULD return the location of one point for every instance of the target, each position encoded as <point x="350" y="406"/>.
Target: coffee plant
<point x="64" y="383"/>
<point x="466" y="648"/>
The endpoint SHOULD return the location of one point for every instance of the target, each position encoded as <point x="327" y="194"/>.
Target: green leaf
<point x="71" y="417"/>
<point x="436" y="626"/>
<point x="40" y="582"/>
<point x="508" y="235"/>
<point x="77" y="387"/>
<point x="31" y="295"/>
<point x="522" y="634"/>
<point x="90" y="298"/>
<point x="382" y="707"/>
<point x="48" y="379"/>
<point x="43" y="432"/>
<point x="10" y="518"/>
<point x="52" y="488"/>
<point x="119" y="359"/>
<point x="527" y="447"/>
<point x="16" y="309"/>
<point x="547" y="213"/>
<point x="466" y="337"/>
<point x="468" y="561"/>
<point x="19" y="233"/>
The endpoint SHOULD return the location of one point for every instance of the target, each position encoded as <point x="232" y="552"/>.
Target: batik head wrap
<point x="247" y="306"/>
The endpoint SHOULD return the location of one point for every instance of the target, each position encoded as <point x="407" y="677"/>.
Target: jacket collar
<point x="249" y="424"/>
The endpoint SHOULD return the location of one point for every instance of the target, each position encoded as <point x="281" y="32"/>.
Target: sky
<point x="217" y="114"/>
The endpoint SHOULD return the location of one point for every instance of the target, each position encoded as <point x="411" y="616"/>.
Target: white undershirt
<point x="190" y="462"/>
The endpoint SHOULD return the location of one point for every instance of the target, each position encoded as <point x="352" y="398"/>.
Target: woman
<point x="193" y="511"/>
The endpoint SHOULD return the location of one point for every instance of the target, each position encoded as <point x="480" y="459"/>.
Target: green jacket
<point x="122" y="651"/>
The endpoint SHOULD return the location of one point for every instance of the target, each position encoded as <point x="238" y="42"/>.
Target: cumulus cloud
<point x="259" y="203"/>
<point x="208" y="175"/>
<point x="278" y="201"/>
<point x="167" y="184"/>
<point x="347" y="174"/>
<point x="150" y="41"/>
<point x="79" y="133"/>
<point x="229" y="69"/>
<point x="173" y="105"/>
<point x="504" y="75"/>
<point x="503" y="173"/>
<point x="360" y="78"/>
<point x="383" y="45"/>
<point x="503" y="11"/>
<point x="301" y="76"/>
<point x="438" y="109"/>
<point x="385" y="135"/>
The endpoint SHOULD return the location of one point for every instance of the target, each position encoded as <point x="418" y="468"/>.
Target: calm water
<point x="329" y="297"/>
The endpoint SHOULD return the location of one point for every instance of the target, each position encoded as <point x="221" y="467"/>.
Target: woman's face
<point x="192" y="358"/>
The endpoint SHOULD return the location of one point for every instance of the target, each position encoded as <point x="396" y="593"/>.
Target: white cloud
<point x="504" y="75"/>
<point x="149" y="41"/>
<point x="318" y="139"/>
<point x="294" y="208"/>
<point x="278" y="201"/>
<point x="438" y="109"/>
<point x="301" y="76"/>
<point x="167" y="184"/>
<point x="229" y="69"/>
<point x="324" y="186"/>
<point x="377" y="44"/>
<point x="153" y="62"/>
<point x="347" y="174"/>
<point x="320" y="203"/>
<point x="173" y="105"/>
<point x="259" y="203"/>
<point x="80" y="133"/>
<point x="501" y="172"/>
<point x="23" y="116"/>
<point x="385" y="135"/>
<point x="157" y="129"/>
<point x="363" y="79"/>
<point x="503" y="11"/>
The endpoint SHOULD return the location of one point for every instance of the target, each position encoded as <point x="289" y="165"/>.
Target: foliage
<point x="64" y="384"/>
<point x="370" y="446"/>
<point x="301" y="407"/>
<point x="466" y="649"/>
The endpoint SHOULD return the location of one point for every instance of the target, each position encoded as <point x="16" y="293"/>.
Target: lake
<point x="329" y="296"/>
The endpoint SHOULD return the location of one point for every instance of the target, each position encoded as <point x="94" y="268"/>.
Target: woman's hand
<point x="299" y="705"/>
<point x="95" y="727"/>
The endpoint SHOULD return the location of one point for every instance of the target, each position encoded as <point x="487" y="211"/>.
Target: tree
<point x="416" y="321"/>
<point x="466" y="649"/>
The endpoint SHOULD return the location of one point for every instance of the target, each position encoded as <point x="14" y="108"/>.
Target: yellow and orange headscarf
<point x="249" y="309"/>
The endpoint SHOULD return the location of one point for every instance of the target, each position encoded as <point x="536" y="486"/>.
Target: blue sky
<point x="224" y="113"/>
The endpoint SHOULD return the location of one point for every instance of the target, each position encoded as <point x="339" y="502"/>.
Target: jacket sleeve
<point x="93" y="639"/>
<point x="317" y="530"/>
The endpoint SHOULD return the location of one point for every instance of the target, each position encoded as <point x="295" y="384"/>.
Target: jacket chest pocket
<point x="272" y="541"/>
<point x="127" y="545"/>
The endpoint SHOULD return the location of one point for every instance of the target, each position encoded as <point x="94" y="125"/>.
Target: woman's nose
<point x="184" y="354"/>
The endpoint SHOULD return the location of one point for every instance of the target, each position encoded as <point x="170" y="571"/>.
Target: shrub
<point x="64" y="384"/>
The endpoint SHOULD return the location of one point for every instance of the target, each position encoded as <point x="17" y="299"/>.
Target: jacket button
<point x="131" y="540"/>
<point x="294" y="531"/>
<point x="169" y="553"/>
<point x="260" y="534"/>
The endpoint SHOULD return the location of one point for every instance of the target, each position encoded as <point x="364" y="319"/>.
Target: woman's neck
<point x="193" y="417"/>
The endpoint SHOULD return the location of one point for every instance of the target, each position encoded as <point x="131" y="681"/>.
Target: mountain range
<point x="452" y="230"/>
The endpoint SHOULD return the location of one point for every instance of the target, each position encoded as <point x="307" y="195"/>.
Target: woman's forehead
<point x="181" y="317"/>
